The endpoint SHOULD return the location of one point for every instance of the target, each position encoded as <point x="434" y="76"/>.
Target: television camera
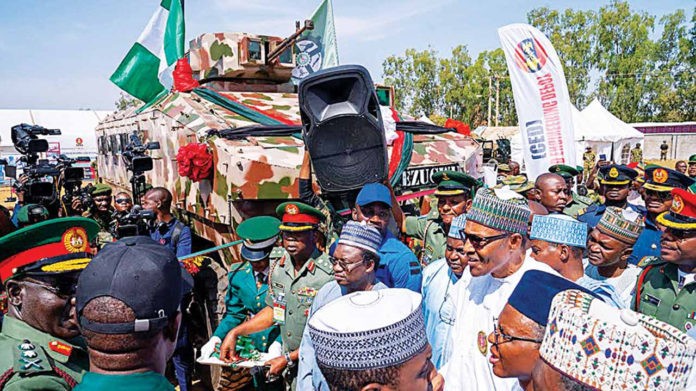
<point x="137" y="221"/>
<point x="37" y="188"/>
<point x="138" y="162"/>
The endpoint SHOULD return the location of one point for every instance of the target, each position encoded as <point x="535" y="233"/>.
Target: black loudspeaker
<point x="343" y="129"/>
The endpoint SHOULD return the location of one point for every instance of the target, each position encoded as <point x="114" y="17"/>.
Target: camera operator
<point x="20" y="199"/>
<point x="171" y="232"/>
<point x="176" y="236"/>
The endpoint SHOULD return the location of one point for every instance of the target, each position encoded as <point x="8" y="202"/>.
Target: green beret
<point x="48" y="248"/>
<point x="297" y="216"/>
<point x="559" y="168"/>
<point x="101" y="189"/>
<point x="455" y="183"/>
<point x="29" y="211"/>
<point x="580" y="168"/>
<point x="692" y="158"/>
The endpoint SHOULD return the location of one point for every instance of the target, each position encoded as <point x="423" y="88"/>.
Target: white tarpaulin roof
<point x="77" y="126"/>
<point x="606" y="134"/>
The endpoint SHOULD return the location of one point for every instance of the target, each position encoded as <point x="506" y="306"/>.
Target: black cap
<point x="617" y="174"/>
<point x="665" y="179"/>
<point x="141" y="273"/>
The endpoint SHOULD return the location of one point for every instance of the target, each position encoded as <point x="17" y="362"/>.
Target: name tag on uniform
<point x="279" y="304"/>
<point x="652" y="299"/>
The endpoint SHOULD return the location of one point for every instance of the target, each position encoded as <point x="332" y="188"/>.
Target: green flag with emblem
<point x="316" y="49"/>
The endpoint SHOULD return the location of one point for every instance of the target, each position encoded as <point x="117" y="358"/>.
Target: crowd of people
<point x="582" y="279"/>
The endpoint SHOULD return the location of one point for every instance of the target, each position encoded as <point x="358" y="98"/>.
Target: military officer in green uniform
<point x="666" y="288"/>
<point x="295" y="278"/>
<point x="691" y="171"/>
<point x="454" y="193"/>
<point x="101" y="212"/>
<point x="637" y="154"/>
<point x="577" y="202"/>
<point x="40" y="347"/>
<point x="248" y="284"/>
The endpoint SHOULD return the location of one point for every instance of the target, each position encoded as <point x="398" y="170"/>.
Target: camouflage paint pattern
<point x="252" y="175"/>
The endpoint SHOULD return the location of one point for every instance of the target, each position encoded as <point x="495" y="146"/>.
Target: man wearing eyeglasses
<point x="519" y="330"/>
<point x="398" y="266"/>
<point x="440" y="280"/>
<point x="495" y="246"/>
<point x="41" y="263"/>
<point x="666" y="288"/>
<point x="355" y="262"/>
<point x="658" y="199"/>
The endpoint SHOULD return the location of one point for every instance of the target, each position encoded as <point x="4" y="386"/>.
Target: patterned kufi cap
<point x="360" y="235"/>
<point x="457" y="227"/>
<point x="622" y="224"/>
<point x="500" y="209"/>
<point x="560" y="229"/>
<point x="600" y="347"/>
<point x="369" y="329"/>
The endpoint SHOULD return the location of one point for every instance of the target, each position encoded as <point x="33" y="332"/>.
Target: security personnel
<point x="588" y="161"/>
<point x="102" y="212"/>
<point x="577" y="202"/>
<point x="248" y="282"/>
<point x="295" y="278"/>
<point x="658" y="199"/>
<point x="616" y="184"/>
<point x="454" y="193"/>
<point x="637" y="154"/>
<point x="40" y="347"/>
<point x="666" y="289"/>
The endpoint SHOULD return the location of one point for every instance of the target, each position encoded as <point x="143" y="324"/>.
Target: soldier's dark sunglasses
<point x="478" y="242"/>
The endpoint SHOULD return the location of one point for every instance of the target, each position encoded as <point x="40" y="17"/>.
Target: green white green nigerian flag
<point x="146" y="72"/>
<point x="316" y="49"/>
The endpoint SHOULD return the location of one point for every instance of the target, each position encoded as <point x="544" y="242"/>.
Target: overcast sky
<point x="59" y="54"/>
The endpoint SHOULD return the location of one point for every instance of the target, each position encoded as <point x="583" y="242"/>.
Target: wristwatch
<point x="289" y="360"/>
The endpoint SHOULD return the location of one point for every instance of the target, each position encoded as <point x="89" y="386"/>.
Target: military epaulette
<point x="277" y="252"/>
<point x="650" y="260"/>
<point x="30" y="359"/>
<point x="323" y="264"/>
<point x="585" y="200"/>
<point x="237" y="266"/>
<point x="580" y="212"/>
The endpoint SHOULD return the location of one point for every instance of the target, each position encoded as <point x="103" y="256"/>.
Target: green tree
<point x="415" y="80"/>
<point x="624" y="56"/>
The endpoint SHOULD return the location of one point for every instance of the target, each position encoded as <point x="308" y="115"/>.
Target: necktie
<point x="260" y="280"/>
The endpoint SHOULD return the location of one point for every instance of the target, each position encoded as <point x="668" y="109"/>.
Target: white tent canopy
<point x="595" y="126"/>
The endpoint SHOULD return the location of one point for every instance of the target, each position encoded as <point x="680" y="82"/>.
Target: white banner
<point x="541" y="98"/>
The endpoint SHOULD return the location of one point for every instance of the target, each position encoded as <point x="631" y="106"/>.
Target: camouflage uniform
<point x="636" y="155"/>
<point x="588" y="161"/>
<point x="430" y="230"/>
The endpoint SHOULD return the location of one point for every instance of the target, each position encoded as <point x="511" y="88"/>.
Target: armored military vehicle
<point x="246" y="112"/>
